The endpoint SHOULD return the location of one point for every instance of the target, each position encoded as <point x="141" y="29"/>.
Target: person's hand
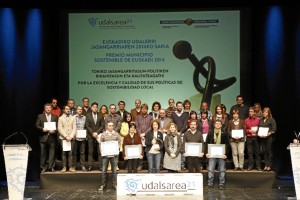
<point x="125" y="158"/>
<point x="173" y="155"/>
<point x="141" y="157"/>
<point x="185" y="155"/>
<point x="224" y="157"/>
<point x="207" y="155"/>
<point x="45" y="130"/>
<point x="201" y="155"/>
<point x="153" y="141"/>
<point x="95" y="135"/>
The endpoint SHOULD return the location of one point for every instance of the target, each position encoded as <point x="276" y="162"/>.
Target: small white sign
<point x="254" y="128"/>
<point x="216" y="150"/>
<point x="81" y="134"/>
<point x="109" y="148"/>
<point x="51" y="126"/>
<point x="66" y="145"/>
<point x="133" y="151"/>
<point x="237" y="133"/>
<point x="193" y="149"/>
<point x="263" y="131"/>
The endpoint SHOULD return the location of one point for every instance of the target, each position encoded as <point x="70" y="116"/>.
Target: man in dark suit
<point x="95" y="125"/>
<point x="122" y="112"/>
<point x="47" y="137"/>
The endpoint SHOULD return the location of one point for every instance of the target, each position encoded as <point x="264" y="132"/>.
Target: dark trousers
<point x="91" y="142"/>
<point x="266" y="144"/>
<point x="253" y="151"/>
<point x="79" y="146"/>
<point x="193" y="164"/>
<point x="132" y="165"/>
<point x="47" y="160"/>
<point x="67" y="156"/>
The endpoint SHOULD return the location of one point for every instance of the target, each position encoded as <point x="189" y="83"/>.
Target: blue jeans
<point x="114" y="163"/>
<point x="153" y="162"/>
<point x="211" y="170"/>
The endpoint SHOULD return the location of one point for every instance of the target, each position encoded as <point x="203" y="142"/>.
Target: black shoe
<point x="236" y="169"/>
<point x="43" y="171"/>
<point x="83" y="168"/>
<point x="250" y="168"/>
<point x="259" y="168"/>
<point x="221" y="187"/>
<point x="241" y="169"/>
<point x="90" y="168"/>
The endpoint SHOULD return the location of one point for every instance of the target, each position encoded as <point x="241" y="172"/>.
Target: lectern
<point x="16" y="158"/>
<point x="295" y="156"/>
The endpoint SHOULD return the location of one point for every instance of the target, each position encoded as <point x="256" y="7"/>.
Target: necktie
<point x="95" y="118"/>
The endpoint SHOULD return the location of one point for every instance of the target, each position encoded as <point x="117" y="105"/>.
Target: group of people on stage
<point x="162" y="135"/>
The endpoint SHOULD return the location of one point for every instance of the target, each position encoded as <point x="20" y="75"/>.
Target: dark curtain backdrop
<point x="25" y="90"/>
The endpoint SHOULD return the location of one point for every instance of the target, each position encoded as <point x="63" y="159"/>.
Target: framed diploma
<point x="133" y="151"/>
<point x="193" y="149"/>
<point x="81" y="134"/>
<point x="109" y="148"/>
<point x="51" y="126"/>
<point x="237" y="133"/>
<point x="263" y="131"/>
<point x="216" y="150"/>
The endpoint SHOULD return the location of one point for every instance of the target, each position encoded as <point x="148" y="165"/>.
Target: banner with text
<point x="154" y="56"/>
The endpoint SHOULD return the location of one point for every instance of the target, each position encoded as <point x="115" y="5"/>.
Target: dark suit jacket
<point x="124" y="114"/>
<point x="44" y="136"/>
<point x="92" y="127"/>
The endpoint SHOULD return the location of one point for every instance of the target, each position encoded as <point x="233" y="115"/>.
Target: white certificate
<point x="237" y="133"/>
<point x="133" y="151"/>
<point x="81" y="134"/>
<point x="263" y="131"/>
<point x="109" y="148"/>
<point x="204" y="137"/>
<point x="254" y="128"/>
<point x="51" y="126"/>
<point x="66" y="145"/>
<point x="216" y="150"/>
<point x="193" y="149"/>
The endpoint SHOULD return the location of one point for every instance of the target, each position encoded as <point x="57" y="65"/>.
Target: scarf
<point x="217" y="136"/>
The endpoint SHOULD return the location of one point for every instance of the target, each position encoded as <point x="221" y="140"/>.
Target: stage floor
<point x="284" y="190"/>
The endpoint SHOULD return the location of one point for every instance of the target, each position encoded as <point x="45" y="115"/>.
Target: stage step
<point x="91" y="180"/>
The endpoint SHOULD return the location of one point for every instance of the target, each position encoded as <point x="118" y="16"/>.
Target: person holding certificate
<point x="154" y="146"/>
<point x="216" y="152"/>
<point x="110" y="153"/>
<point x="80" y="141"/>
<point x="204" y="126"/>
<point x="132" y="148"/>
<point x="67" y="130"/>
<point x="46" y="123"/>
<point x="173" y="145"/>
<point x="266" y="131"/>
<point x="193" y="147"/>
<point x="252" y="140"/>
<point x="237" y="137"/>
